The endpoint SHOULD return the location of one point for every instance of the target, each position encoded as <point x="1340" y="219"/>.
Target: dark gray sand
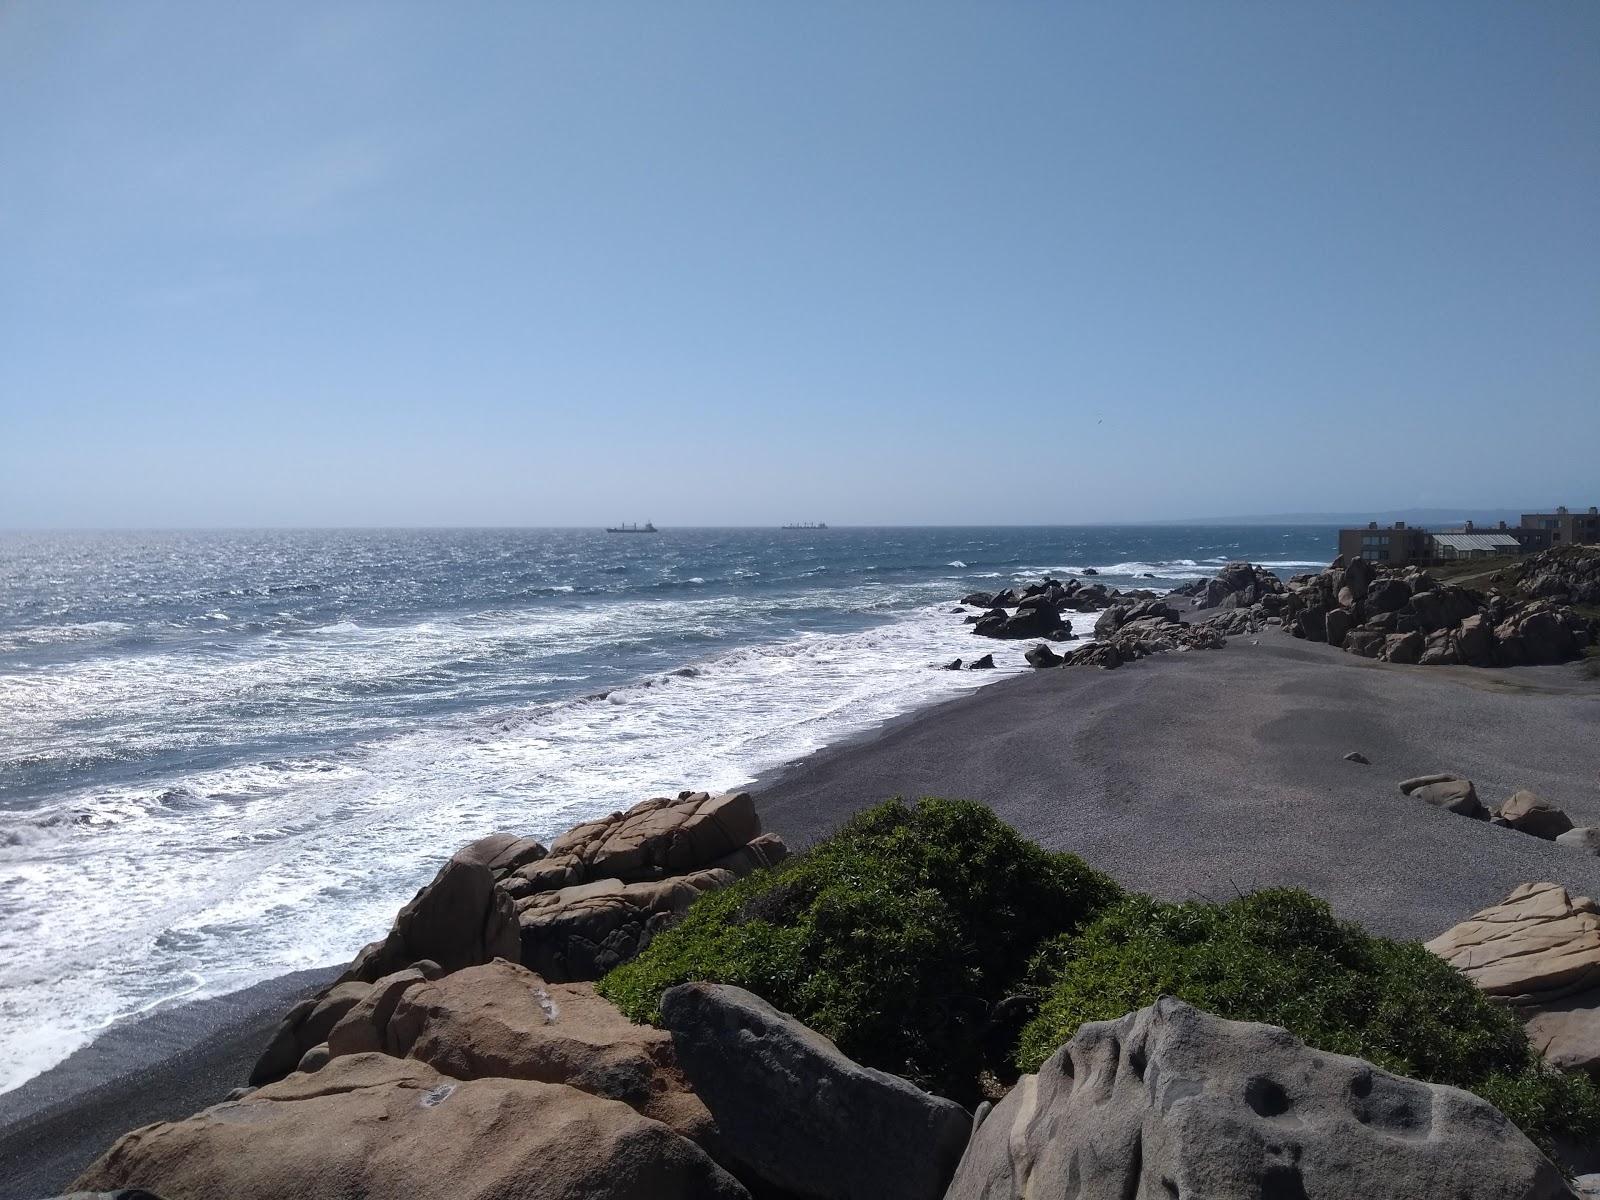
<point x="1210" y="773"/>
<point x="1188" y="775"/>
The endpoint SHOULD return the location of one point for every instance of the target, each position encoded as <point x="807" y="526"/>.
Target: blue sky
<point x="739" y="263"/>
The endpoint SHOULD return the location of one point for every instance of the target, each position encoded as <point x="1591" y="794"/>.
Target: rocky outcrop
<point x="1042" y="656"/>
<point x="1565" y="575"/>
<point x="1238" y="585"/>
<point x="1171" y="1101"/>
<point x="801" y="1116"/>
<point x="1536" y="946"/>
<point x="607" y="887"/>
<point x="1401" y="615"/>
<point x="374" y="1125"/>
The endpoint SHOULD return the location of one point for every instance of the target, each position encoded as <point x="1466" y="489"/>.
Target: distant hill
<point x="1426" y="517"/>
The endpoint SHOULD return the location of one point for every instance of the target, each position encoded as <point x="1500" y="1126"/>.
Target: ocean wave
<point x="51" y="635"/>
<point x="956" y="562"/>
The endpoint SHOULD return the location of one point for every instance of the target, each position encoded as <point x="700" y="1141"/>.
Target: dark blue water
<point x="230" y="754"/>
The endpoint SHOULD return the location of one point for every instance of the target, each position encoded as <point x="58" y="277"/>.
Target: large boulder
<point x="305" y="1025"/>
<point x="372" y="1125"/>
<point x="1567" y="1032"/>
<point x="1529" y="814"/>
<point x="1448" y="792"/>
<point x="459" y="920"/>
<point x="799" y="1114"/>
<point x="1387" y="594"/>
<point x="1171" y="1102"/>
<point x="581" y="932"/>
<point x="1536" y="946"/>
<point x="502" y="1020"/>
<point x="1042" y="656"/>
<point x="653" y="839"/>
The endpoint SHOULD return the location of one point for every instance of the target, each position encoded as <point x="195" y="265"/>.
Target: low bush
<point x="894" y="937"/>
<point x="1280" y="957"/>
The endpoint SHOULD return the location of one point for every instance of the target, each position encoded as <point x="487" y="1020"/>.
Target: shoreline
<point x="1184" y="775"/>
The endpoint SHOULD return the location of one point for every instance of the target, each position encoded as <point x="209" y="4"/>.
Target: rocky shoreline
<point x="444" y="1000"/>
<point x="1399" y="615"/>
<point x="441" y="1063"/>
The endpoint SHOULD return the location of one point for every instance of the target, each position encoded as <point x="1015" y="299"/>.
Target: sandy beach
<point x="1187" y="775"/>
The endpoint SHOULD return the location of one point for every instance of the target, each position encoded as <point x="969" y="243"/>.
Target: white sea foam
<point x="123" y="898"/>
<point x="955" y="563"/>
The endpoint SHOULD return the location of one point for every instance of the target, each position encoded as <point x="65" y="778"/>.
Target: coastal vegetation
<point x="896" y="937"/>
<point x="911" y="934"/>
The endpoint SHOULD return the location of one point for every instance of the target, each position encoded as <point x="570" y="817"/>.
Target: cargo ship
<point x="647" y="527"/>
<point x="808" y="525"/>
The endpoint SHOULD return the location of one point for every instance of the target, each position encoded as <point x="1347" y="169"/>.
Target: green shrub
<point x="1280" y="957"/>
<point x="893" y="937"/>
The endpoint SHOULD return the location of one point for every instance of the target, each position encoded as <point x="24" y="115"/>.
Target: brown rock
<point x="368" y="1125"/>
<point x="503" y="1020"/>
<point x="664" y="836"/>
<point x="459" y="920"/>
<point x="1447" y="792"/>
<point x="1537" y="945"/>
<point x="307" y="1024"/>
<point x="581" y="932"/>
<point x="1567" y="1032"/>
<point x="362" y="1028"/>
<point x="1529" y="814"/>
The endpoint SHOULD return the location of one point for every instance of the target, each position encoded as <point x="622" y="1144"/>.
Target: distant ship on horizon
<point x="807" y="525"/>
<point x="647" y="527"/>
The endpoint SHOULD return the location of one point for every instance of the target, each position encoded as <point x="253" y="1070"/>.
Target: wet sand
<point x="1188" y="775"/>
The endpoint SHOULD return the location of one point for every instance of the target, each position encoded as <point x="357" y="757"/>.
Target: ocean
<point x="228" y="755"/>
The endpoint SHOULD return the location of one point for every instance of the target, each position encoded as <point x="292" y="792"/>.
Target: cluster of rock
<point x="1236" y="585"/>
<point x="496" y="1084"/>
<point x="595" y="898"/>
<point x="1538" y="951"/>
<point x="1398" y="615"/>
<point x="1035" y="611"/>
<point x="1568" y="575"/>
<point x="1127" y="632"/>
<point x="1523" y="811"/>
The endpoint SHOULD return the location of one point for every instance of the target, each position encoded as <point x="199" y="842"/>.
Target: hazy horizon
<point x="903" y="264"/>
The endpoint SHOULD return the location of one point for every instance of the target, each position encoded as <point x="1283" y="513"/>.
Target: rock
<point x="1042" y="656"/>
<point x="1356" y="756"/>
<point x="986" y="663"/>
<point x="1584" y="837"/>
<point x="1088" y="571"/>
<point x="581" y="932"/>
<point x="653" y="839"/>
<point x="1447" y="792"/>
<point x="307" y="1024"/>
<point x="502" y="852"/>
<point x="1364" y="643"/>
<point x="362" y="1028"/>
<point x="953" y="665"/>
<point x="1336" y="625"/>
<point x="373" y="1126"/>
<point x="842" y="1130"/>
<point x="1475" y="641"/>
<point x="1527" y="813"/>
<point x="1387" y="594"/>
<point x="459" y="920"/>
<point x="1403" y="647"/>
<point x="502" y="1020"/>
<point x="1537" y="945"/>
<point x="1098" y="654"/>
<point x="1440" y="650"/>
<point x="978" y="600"/>
<point x="1171" y="1102"/>
<point x="1566" y="1033"/>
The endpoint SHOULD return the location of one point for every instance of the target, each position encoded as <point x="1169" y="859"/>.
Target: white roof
<point x="1476" y="541"/>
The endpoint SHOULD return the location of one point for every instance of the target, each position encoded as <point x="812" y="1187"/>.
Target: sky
<point x="739" y="263"/>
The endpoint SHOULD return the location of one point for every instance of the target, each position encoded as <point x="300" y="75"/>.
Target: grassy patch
<point x="893" y="937"/>
<point x="1280" y="957"/>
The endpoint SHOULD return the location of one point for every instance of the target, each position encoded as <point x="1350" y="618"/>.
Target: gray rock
<point x="986" y="663"/>
<point x="1584" y="837"/>
<point x="801" y="1115"/>
<point x="1173" y="1102"/>
<point x="1042" y="656"/>
<point x="1356" y="756"/>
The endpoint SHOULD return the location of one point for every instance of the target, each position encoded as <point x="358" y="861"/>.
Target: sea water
<point x="229" y="755"/>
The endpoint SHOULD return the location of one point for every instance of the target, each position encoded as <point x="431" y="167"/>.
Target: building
<point x="1392" y="543"/>
<point x="1563" y="528"/>
<point x="1488" y="544"/>
<point x="1402" y="543"/>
